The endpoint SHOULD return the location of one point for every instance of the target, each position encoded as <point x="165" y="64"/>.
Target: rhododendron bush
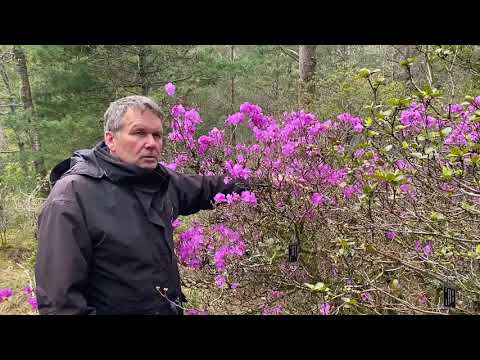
<point x="383" y="206"/>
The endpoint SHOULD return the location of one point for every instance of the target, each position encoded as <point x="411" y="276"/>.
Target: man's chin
<point x="148" y="165"/>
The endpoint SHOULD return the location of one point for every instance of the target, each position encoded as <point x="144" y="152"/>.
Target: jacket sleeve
<point x="64" y="252"/>
<point x="196" y="192"/>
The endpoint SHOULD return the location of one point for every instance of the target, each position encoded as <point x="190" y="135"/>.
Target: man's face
<point x="139" y="140"/>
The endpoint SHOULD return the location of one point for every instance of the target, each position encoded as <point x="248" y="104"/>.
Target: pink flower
<point x="366" y="297"/>
<point x="196" y="312"/>
<point x="237" y="170"/>
<point x="249" y="197"/>
<point x="276" y="294"/>
<point x="171" y="166"/>
<point x="288" y="149"/>
<point x="234" y="285"/>
<point x="176" y="223"/>
<point x="358" y="153"/>
<point x="457" y="108"/>
<point x="170" y="89"/>
<point x="28" y="290"/>
<point x="220" y="281"/>
<point x="427" y="250"/>
<point x="318" y="199"/>
<point x="391" y="235"/>
<point x="422" y="299"/>
<point x="275" y="310"/>
<point x="235" y="119"/>
<point x="325" y="309"/>
<point x="233" y="198"/>
<point x="193" y="116"/>
<point x="403" y="164"/>
<point x="177" y="110"/>
<point x="5" y="293"/>
<point x="418" y="246"/>
<point x="220" y="198"/>
<point x="349" y="191"/>
<point x="405" y="188"/>
<point x="33" y="303"/>
<point x="358" y="127"/>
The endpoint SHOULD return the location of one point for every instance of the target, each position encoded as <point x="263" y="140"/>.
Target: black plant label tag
<point x="292" y="252"/>
<point x="449" y="296"/>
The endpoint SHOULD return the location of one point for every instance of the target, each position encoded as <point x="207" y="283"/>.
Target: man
<point x="105" y="238"/>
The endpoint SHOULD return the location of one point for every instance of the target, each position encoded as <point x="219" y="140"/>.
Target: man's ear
<point x="110" y="141"/>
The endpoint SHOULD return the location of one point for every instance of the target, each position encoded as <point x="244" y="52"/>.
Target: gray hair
<point x="113" y="117"/>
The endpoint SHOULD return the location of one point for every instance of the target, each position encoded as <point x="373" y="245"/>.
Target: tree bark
<point x="22" y="70"/>
<point x="307" y="62"/>
<point x="142" y="70"/>
<point x="11" y="99"/>
<point x="232" y="85"/>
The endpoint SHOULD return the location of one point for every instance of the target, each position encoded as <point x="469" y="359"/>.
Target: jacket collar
<point x="98" y="162"/>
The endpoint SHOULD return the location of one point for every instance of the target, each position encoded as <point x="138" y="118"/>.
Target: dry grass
<point x="17" y="272"/>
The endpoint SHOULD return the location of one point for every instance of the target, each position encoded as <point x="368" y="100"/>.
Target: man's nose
<point x="150" y="141"/>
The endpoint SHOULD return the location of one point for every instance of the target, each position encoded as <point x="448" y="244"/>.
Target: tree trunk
<point x="11" y="99"/>
<point x="232" y="85"/>
<point x="307" y="62"/>
<point x="22" y="70"/>
<point x="142" y="70"/>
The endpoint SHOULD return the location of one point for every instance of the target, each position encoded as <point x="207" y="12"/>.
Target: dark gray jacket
<point x="105" y="235"/>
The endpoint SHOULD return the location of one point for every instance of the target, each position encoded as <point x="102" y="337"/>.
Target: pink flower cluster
<point x="235" y="246"/>
<point x="184" y="125"/>
<point x="32" y="300"/>
<point x="196" y="312"/>
<point x="237" y="170"/>
<point x="355" y="122"/>
<point x="5" y="294"/>
<point x="426" y="250"/>
<point x="246" y="197"/>
<point x="170" y="89"/>
<point x="190" y="247"/>
<point x="214" y="138"/>
<point x="274" y="310"/>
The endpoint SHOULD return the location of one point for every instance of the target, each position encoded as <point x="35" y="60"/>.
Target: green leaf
<point x="369" y="189"/>
<point x="458" y="172"/>
<point x="310" y="286"/>
<point x="368" y="121"/>
<point x="444" y="132"/>
<point x="407" y="62"/>
<point x="386" y="113"/>
<point x="388" y="148"/>
<point x="363" y="73"/>
<point x="447" y="173"/>
<point x="435" y="92"/>
<point x="319" y="286"/>
<point x="394" y="284"/>
<point x="457" y="152"/>
<point x="477" y="249"/>
<point x="419" y="155"/>
<point x="405" y="102"/>
<point x="393" y="102"/>
<point x="476" y="159"/>
<point x="405" y="145"/>
<point x="436" y="216"/>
